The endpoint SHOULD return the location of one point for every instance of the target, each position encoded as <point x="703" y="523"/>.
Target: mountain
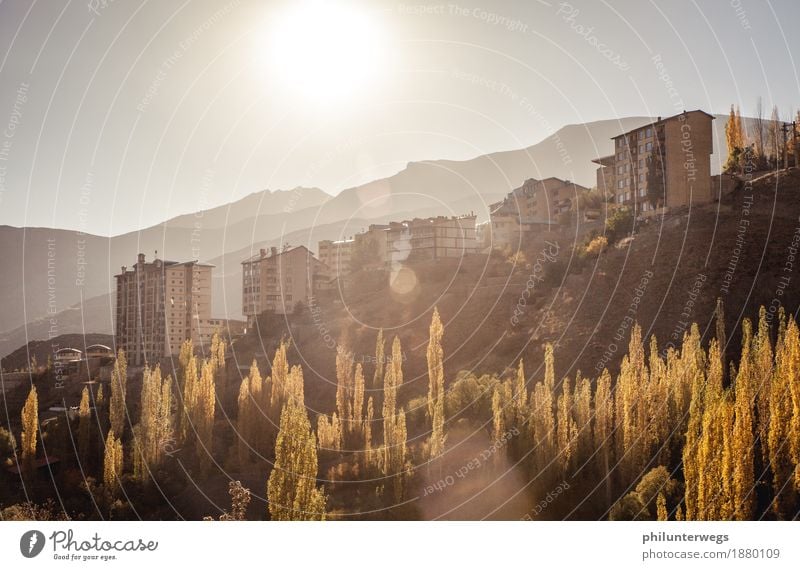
<point x="59" y="269"/>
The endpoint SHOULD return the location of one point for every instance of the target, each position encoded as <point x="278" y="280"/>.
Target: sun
<point x="324" y="51"/>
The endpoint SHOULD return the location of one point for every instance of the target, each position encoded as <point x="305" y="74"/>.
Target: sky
<point x="116" y="114"/>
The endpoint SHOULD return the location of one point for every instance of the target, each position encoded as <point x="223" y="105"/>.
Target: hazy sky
<point x="118" y="114"/>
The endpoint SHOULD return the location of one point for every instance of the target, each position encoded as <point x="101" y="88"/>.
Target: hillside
<point x="83" y="265"/>
<point x="669" y="275"/>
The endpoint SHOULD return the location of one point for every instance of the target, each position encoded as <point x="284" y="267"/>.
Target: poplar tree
<point x="30" y="429"/>
<point x="661" y="507"/>
<point x="279" y="380"/>
<point x="743" y="443"/>
<point x="377" y="377"/>
<point x="604" y="428"/>
<point x="543" y="426"/>
<point x="291" y="490"/>
<point x="119" y="381"/>
<point x="112" y="465"/>
<point x="357" y="419"/>
<point x="520" y="396"/>
<point x="566" y="428"/>
<point x="244" y="422"/>
<point x="190" y="391"/>
<point x="435" y="356"/>
<point x="762" y="356"/>
<point x="84" y="418"/>
<point x="204" y="414"/>
<point x="781" y="440"/>
<point x="583" y="417"/>
<point x="368" y="452"/>
<point x="344" y="390"/>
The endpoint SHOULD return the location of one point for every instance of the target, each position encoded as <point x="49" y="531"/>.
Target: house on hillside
<point x="535" y="206"/>
<point x="280" y="281"/>
<point x="667" y="162"/>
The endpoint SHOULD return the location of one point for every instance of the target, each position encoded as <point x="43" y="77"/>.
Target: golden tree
<point x="566" y="429"/>
<point x="743" y="442"/>
<point x="435" y="356"/>
<point x="190" y="390"/>
<point x="244" y="422"/>
<point x="112" y="464"/>
<point x="203" y="417"/>
<point x="781" y="440"/>
<point x="604" y="428"/>
<point x="119" y="382"/>
<point x="543" y="425"/>
<point x="291" y="489"/>
<point x="377" y="377"/>
<point x="30" y="429"/>
<point x="84" y="419"/>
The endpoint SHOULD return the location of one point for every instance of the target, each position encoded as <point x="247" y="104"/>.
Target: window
<point x="649" y="146"/>
<point x="641" y="148"/>
<point x="620" y="183"/>
<point x="619" y="169"/>
<point x="641" y="163"/>
<point x="620" y="198"/>
<point x="641" y="178"/>
<point x="649" y="132"/>
<point x="641" y="134"/>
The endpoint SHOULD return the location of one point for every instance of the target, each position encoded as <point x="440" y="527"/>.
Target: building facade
<point x="337" y="256"/>
<point x="279" y="281"/>
<point x="535" y="206"/>
<point x="667" y="162"/>
<point x="159" y="305"/>
<point x="429" y="239"/>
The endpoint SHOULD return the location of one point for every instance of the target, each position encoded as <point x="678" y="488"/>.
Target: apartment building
<point x="428" y="239"/>
<point x="159" y="305"/>
<point x="535" y="206"/>
<point x="673" y="153"/>
<point x="337" y="256"/>
<point x="277" y="281"/>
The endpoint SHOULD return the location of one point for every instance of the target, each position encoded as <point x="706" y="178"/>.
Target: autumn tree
<point x="543" y="425"/>
<point x="30" y="429"/>
<point x="112" y="465"/>
<point x="189" y="394"/>
<point x="435" y="356"/>
<point x="154" y="429"/>
<point x="244" y="422"/>
<point x="394" y="423"/>
<point x="291" y="490"/>
<point x="743" y="441"/>
<point x="782" y="436"/>
<point x="84" y="419"/>
<point x="377" y="377"/>
<point x="119" y="382"/>
<point x="203" y="417"/>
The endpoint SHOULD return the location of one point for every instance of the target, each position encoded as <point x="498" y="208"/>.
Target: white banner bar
<point x="389" y="545"/>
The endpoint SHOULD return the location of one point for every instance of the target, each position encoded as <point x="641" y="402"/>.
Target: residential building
<point x="672" y="153"/>
<point x="428" y="239"/>
<point x="277" y="281"/>
<point x="159" y="305"/>
<point x="337" y="256"/>
<point x="533" y="207"/>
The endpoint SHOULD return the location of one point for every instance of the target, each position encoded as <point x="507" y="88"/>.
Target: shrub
<point x="619" y="224"/>
<point x="596" y="246"/>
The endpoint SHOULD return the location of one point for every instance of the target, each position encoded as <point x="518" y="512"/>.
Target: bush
<point x="619" y="224"/>
<point x="596" y="246"/>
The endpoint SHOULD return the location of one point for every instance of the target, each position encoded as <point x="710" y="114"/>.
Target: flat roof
<point x="661" y="121"/>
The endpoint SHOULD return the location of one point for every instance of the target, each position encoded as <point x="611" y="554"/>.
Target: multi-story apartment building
<point x="337" y="256"/>
<point x="428" y="239"/>
<point x="277" y="281"/>
<point x="159" y="305"/>
<point x="672" y="153"/>
<point x="534" y="206"/>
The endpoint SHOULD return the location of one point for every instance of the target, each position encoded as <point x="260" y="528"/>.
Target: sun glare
<point x="324" y="51"/>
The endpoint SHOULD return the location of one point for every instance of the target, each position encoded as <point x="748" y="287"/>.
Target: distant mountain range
<point x="59" y="281"/>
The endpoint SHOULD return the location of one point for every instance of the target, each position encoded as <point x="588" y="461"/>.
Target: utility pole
<point x="785" y="130"/>
<point x="795" y="146"/>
